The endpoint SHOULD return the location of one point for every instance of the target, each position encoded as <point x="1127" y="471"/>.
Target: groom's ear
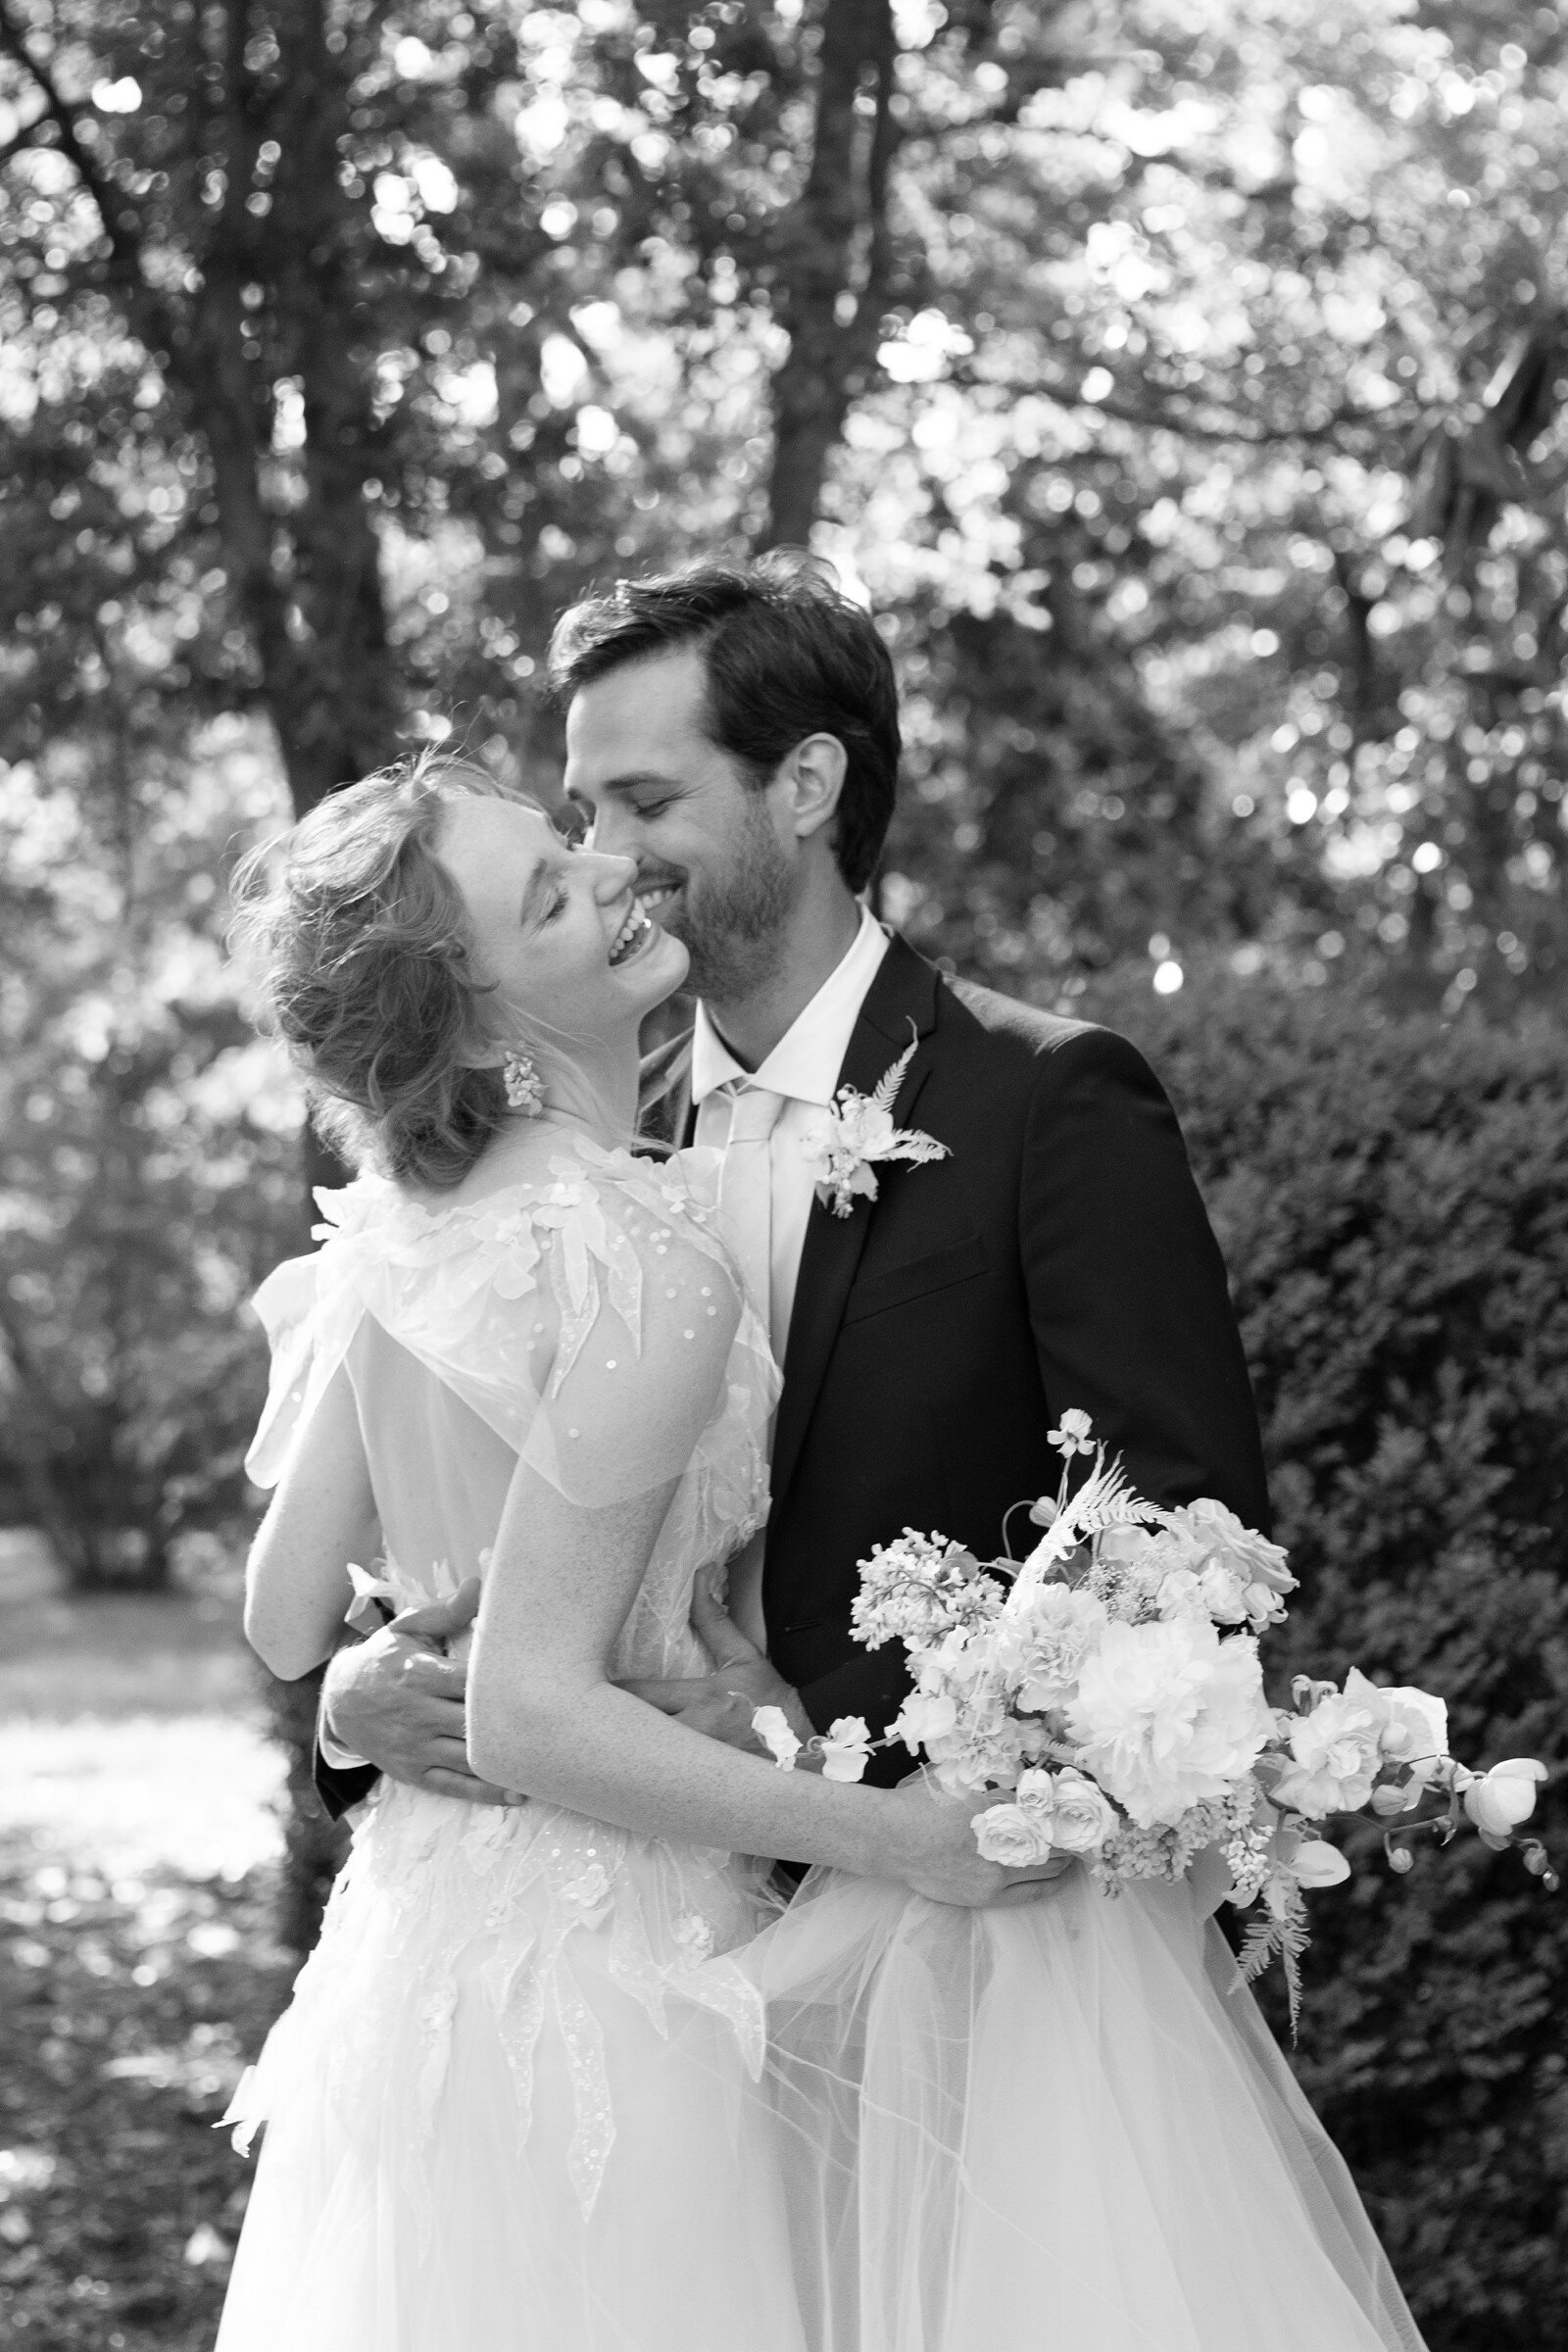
<point x="813" y="776"/>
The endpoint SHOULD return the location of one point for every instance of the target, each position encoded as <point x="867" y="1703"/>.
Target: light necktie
<point x="746" y="1188"/>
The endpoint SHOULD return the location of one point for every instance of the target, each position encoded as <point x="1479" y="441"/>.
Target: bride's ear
<point x="815" y="774"/>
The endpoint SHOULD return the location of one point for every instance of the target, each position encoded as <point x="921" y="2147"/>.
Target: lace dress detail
<point x="592" y="1326"/>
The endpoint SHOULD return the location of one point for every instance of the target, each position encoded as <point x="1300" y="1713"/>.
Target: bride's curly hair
<point x="369" y="976"/>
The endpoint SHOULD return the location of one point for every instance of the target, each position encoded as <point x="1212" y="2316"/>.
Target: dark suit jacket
<point x="1060" y="1256"/>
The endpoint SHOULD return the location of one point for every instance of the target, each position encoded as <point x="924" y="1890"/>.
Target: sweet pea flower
<point x="773" y="1727"/>
<point x="1501" y="1798"/>
<point x="845" y="1749"/>
<point x="1315" y="1862"/>
<point x="924" y="1716"/>
<point x="1073" y="1436"/>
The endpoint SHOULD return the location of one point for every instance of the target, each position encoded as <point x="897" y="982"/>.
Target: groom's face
<point x="715" y="857"/>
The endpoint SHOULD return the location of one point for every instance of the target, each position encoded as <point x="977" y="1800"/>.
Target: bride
<point x="510" y="2105"/>
<point x="561" y="2077"/>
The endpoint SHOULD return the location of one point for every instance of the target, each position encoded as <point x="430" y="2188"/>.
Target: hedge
<point x="1392" y="1197"/>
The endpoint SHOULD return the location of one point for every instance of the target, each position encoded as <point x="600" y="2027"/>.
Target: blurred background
<point x="1184" y="384"/>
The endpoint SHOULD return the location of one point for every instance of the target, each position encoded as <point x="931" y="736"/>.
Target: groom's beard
<point x="733" y="924"/>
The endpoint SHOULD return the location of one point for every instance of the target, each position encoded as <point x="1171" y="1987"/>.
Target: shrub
<point x="1391" y="1199"/>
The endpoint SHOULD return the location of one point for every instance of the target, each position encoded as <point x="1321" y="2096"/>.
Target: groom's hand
<point x="397" y="1699"/>
<point x="720" y="1705"/>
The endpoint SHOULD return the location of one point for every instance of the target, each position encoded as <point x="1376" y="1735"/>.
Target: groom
<point x="735" y="730"/>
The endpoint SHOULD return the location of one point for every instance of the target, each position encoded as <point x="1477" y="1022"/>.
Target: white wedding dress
<point x="511" y="2108"/>
<point x="549" y="2088"/>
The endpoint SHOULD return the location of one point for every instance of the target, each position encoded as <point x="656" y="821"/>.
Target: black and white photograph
<point x="783" y="1176"/>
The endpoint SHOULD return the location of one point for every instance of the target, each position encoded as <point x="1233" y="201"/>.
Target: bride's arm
<point x="634" y="1397"/>
<point x="321" y="1516"/>
<point x="545" y="1719"/>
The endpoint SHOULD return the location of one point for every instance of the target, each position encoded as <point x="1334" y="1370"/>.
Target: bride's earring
<point x="525" y="1089"/>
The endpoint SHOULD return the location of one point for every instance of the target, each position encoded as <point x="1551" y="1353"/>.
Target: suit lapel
<point x="903" y="993"/>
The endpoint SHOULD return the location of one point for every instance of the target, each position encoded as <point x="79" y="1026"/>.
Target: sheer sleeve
<point x="310" y="1320"/>
<point x="589" y="1320"/>
<point x="635" y="1382"/>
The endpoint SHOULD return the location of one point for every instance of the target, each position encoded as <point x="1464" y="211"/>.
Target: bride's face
<point x="556" y="930"/>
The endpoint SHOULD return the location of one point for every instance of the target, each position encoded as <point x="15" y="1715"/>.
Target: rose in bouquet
<point x="1109" y="1689"/>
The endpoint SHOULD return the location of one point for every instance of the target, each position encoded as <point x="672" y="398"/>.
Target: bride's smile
<point x="557" y="931"/>
<point x="635" y="934"/>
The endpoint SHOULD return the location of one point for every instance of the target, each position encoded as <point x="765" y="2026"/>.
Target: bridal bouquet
<point x="1109" y="1689"/>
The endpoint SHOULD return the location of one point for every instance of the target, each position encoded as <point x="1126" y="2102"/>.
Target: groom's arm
<point x="342" y="1779"/>
<point x="1127" y="1292"/>
<point x="398" y="1700"/>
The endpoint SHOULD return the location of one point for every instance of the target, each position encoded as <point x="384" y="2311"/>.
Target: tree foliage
<point x="148" y="1156"/>
<point x="1185" y="388"/>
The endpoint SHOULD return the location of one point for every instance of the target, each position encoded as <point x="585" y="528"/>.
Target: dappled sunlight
<point x="140" y="1842"/>
<point x="128" y="2007"/>
<point x="194" y="1794"/>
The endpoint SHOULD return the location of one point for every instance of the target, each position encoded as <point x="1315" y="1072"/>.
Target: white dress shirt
<point x="804" y="1066"/>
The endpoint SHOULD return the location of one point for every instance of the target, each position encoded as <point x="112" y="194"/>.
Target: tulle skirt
<point x="1061" y="2128"/>
<point x="544" y="2087"/>
<point x="513" y="2104"/>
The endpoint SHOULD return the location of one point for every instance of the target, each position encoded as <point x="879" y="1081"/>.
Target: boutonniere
<point x="858" y="1134"/>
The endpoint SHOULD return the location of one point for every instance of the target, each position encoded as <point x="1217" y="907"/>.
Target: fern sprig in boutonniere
<point x="858" y="1134"/>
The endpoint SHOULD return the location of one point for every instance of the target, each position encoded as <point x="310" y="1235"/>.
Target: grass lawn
<point x="138" y="1970"/>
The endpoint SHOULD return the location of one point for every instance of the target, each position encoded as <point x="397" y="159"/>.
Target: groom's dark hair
<point x="786" y="655"/>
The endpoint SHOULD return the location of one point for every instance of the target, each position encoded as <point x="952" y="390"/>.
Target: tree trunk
<point x="345" y="721"/>
<point x="835" y="264"/>
<point x="309" y="579"/>
<point x="32" y="1417"/>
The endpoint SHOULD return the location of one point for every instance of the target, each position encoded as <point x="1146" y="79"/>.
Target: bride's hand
<point x="944" y="1863"/>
